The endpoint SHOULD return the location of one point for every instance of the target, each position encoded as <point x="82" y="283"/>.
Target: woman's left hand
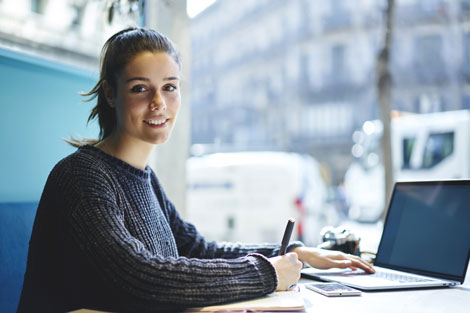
<point x="323" y="259"/>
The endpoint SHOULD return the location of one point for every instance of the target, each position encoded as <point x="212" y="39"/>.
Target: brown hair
<point x="117" y="52"/>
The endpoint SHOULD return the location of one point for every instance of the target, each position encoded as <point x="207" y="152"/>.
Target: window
<point x="429" y="64"/>
<point x="337" y="59"/>
<point x="466" y="57"/>
<point x="408" y="145"/>
<point x="38" y="6"/>
<point x="438" y="147"/>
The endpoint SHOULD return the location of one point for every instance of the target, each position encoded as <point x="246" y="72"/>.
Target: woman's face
<point x="147" y="98"/>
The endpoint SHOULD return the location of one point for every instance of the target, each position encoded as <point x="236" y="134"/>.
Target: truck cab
<point x="431" y="146"/>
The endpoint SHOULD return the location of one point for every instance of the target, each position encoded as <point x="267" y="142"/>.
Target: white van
<point x="249" y="196"/>
<point x="429" y="146"/>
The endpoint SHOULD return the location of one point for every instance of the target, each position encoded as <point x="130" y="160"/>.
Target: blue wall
<point x="40" y="104"/>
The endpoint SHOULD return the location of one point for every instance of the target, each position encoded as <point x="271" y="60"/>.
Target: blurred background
<point x="300" y="108"/>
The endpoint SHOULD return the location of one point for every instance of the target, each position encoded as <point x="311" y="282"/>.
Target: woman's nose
<point x="157" y="102"/>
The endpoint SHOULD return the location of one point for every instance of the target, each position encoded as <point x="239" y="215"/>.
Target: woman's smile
<point x="157" y="123"/>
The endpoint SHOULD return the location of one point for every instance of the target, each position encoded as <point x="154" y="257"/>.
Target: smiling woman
<point x="146" y="100"/>
<point x="106" y="236"/>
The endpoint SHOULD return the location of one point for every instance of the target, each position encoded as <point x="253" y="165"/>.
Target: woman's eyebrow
<point x="171" y="78"/>
<point x="146" y="79"/>
<point x="137" y="78"/>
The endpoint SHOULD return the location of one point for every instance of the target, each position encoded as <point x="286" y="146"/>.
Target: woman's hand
<point x="288" y="269"/>
<point x="323" y="259"/>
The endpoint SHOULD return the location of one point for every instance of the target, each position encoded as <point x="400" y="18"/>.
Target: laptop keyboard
<point x="399" y="278"/>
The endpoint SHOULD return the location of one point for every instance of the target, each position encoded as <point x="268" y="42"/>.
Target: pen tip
<point x="292" y="220"/>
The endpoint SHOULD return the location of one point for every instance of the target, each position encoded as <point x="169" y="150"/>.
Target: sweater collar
<point x="117" y="163"/>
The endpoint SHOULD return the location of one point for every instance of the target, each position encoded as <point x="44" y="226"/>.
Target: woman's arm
<point x="97" y="225"/>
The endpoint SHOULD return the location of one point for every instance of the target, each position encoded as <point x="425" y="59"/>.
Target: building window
<point x="429" y="64"/>
<point x="338" y="67"/>
<point x="466" y="57"/>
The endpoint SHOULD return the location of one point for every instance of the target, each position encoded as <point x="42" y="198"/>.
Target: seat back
<point x="16" y="223"/>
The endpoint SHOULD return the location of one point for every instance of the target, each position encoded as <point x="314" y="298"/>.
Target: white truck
<point x="429" y="146"/>
<point x="249" y="196"/>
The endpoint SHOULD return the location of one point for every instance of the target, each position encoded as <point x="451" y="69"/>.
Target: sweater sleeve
<point x="97" y="225"/>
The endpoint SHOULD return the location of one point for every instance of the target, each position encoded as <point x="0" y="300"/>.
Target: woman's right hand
<point x="288" y="269"/>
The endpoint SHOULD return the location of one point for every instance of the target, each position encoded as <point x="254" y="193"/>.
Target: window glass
<point x="309" y="87"/>
<point x="408" y="145"/>
<point x="438" y="147"/>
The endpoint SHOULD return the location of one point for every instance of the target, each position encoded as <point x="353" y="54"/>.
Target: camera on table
<point x="340" y="238"/>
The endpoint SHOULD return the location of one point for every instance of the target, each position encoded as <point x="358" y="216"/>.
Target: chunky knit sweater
<point x="106" y="237"/>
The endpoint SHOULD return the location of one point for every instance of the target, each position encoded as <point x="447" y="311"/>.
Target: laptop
<point x="425" y="240"/>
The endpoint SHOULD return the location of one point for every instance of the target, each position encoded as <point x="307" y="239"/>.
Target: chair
<point x="16" y="223"/>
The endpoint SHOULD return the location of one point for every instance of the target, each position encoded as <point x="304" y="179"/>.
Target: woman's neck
<point x="134" y="152"/>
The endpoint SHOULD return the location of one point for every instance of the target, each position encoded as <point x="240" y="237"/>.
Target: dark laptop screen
<point x="428" y="228"/>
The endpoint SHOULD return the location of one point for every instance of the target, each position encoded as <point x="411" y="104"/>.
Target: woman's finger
<point x="359" y="263"/>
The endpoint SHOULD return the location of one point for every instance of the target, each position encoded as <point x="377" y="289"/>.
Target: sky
<point x="194" y="7"/>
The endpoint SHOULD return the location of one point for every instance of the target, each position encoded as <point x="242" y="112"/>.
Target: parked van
<point x="431" y="146"/>
<point x="249" y="196"/>
<point x="424" y="147"/>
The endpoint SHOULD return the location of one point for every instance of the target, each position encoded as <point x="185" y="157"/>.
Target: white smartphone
<point x="333" y="289"/>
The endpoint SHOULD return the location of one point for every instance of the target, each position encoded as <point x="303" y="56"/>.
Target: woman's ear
<point x="108" y="93"/>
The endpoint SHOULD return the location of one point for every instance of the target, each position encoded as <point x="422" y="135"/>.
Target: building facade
<point x="299" y="75"/>
<point x="66" y="31"/>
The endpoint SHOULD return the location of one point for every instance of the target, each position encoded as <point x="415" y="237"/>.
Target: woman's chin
<point x="159" y="140"/>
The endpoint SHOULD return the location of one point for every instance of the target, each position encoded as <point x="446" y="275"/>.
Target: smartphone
<point x="333" y="289"/>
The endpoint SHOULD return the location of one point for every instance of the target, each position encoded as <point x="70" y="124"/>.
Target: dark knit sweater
<point x="106" y="237"/>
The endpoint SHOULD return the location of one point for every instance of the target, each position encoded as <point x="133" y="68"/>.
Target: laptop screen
<point x="427" y="229"/>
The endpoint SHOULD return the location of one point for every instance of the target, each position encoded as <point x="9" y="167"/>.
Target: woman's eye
<point x="170" y="87"/>
<point x="138" y="88"/>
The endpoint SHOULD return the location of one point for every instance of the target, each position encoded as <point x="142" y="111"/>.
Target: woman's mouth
<point x="157" y="123"/>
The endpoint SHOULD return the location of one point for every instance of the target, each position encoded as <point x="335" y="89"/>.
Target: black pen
<point x="286" y="237"/>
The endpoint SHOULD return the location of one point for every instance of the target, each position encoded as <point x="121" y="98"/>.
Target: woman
<point x="106" y="236"/>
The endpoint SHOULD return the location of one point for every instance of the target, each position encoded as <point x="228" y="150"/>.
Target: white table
<point x="436" y="300"/>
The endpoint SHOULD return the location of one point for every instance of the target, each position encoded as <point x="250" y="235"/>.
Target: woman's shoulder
<point x="85" y="156"/>
<point x="81" y="172"/>
<point x="79" y="177"/>
<point x="83" y="162"/>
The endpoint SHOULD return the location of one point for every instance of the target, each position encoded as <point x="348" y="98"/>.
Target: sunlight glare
<point x="194" y="7"/>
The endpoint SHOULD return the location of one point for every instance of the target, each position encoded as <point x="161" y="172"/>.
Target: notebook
<point x="281" y="301"/>
<point x="425" y="240"/>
